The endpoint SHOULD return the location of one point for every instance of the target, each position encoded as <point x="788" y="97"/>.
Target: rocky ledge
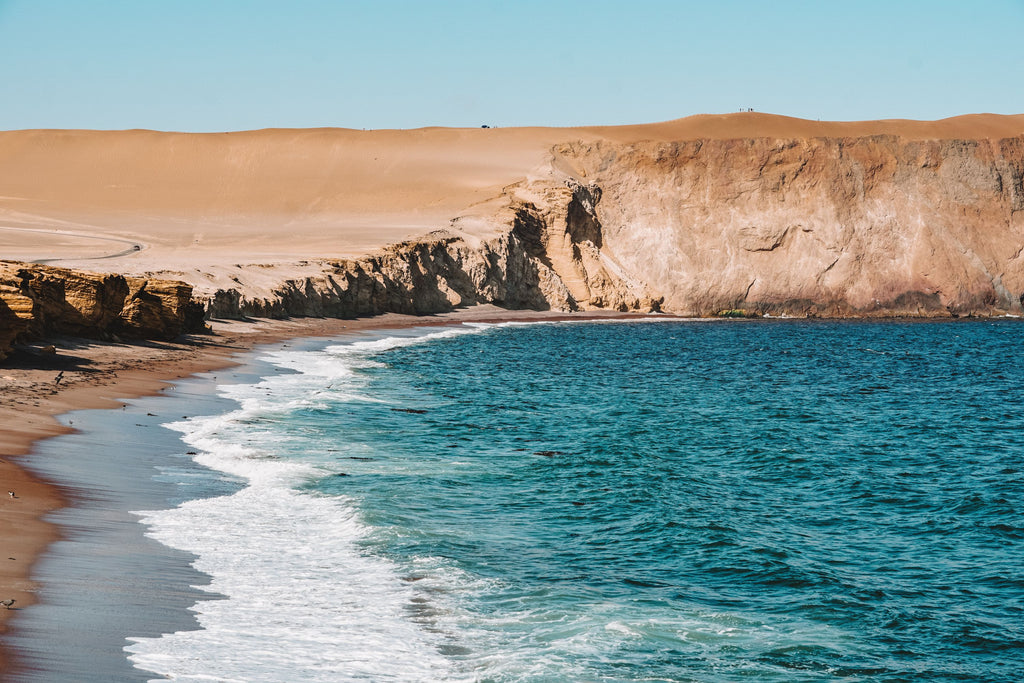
<point x="37" y="301"/>
<point x="546" y="255"/>
<point x="873" y="226"/>
<point x="868" y="226"/>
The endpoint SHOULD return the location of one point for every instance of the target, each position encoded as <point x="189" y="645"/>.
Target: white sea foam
<point x="305" y="602"/>
<point x="302" y="601"/>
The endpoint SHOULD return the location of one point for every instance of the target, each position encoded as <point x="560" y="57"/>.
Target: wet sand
<point x="104" y="578"/>
<point x="94" y="496"/>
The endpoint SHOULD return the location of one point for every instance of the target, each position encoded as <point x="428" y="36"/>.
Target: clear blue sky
<point x="216" y="65"/>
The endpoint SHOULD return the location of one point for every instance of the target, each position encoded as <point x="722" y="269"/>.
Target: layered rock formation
<point x="36" y="301"/>
<point x="838" y="227"/>
<point x="732" y="215"/>
<point x="546" y="255"/>
<point x="875" y="225"/>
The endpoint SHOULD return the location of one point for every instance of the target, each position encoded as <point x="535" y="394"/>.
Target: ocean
<point x="628" y="501"/>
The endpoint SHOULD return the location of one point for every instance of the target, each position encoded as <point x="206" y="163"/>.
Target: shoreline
<point x="97" y="375"/>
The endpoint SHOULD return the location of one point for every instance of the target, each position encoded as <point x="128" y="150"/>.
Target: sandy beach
<point x="96" y="375"/>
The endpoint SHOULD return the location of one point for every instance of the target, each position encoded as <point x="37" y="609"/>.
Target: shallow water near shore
<point x="771" y="501"/>
<point x="104" y="578"/>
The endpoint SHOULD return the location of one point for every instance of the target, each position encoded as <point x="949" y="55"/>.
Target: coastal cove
<point x="99" y="375"/>
<point x="692" y="500"/>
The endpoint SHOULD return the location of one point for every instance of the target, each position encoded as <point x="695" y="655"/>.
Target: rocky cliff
<point x="36" y="301"/>
<point x="839" y="227"/>
<point x="874" y="225"/>
<point x="546" y="254"/>
<point x="736" y="215"/>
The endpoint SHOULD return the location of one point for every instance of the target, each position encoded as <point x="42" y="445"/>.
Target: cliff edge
<point x="850" y="226"/>
<point x="742" y="214"/>
<point x="38" y="301"/>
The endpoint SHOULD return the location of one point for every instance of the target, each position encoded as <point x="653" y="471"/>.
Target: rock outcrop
<point x="870" y="226"/>
<point x="747" y="215"/>
<point x="36" y="301"/>
<point x="866" y="226"/>
<point x="547" y="257"/>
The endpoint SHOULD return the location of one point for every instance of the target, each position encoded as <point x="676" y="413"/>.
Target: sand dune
<point x="280" y="194"/>
<point x="261" y="194"/>
<point x="756" y="125"/>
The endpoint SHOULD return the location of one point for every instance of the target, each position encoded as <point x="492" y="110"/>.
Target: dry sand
<point x="197" y="202"/>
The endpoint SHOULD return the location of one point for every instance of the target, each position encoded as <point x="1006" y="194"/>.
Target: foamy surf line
<point x="105" y="579"/>
<point x="301" y="601"/>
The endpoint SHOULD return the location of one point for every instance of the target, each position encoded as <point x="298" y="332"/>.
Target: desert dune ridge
<point x="249" y="209"/>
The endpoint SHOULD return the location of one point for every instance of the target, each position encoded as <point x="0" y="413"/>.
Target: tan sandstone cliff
<point x="744" y="214"/>
<point x="36" y="301"/>
<point x="873" y="225"/>
<point x="840" y="227"/>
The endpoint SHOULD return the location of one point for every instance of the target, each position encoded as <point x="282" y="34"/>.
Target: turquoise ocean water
<point x="726" y="501"/>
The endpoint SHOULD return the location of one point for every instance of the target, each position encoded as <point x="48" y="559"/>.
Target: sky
<point x="219" y="65"/>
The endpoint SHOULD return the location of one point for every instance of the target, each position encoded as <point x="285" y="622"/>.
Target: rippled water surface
<point x="692" y="501"/>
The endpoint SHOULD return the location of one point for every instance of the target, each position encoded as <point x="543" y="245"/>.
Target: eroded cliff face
<point x="870" y="225"/>
<point x="36" y="301"/>
<point x="546" y="255"/>
<point x="873" y="225"/>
